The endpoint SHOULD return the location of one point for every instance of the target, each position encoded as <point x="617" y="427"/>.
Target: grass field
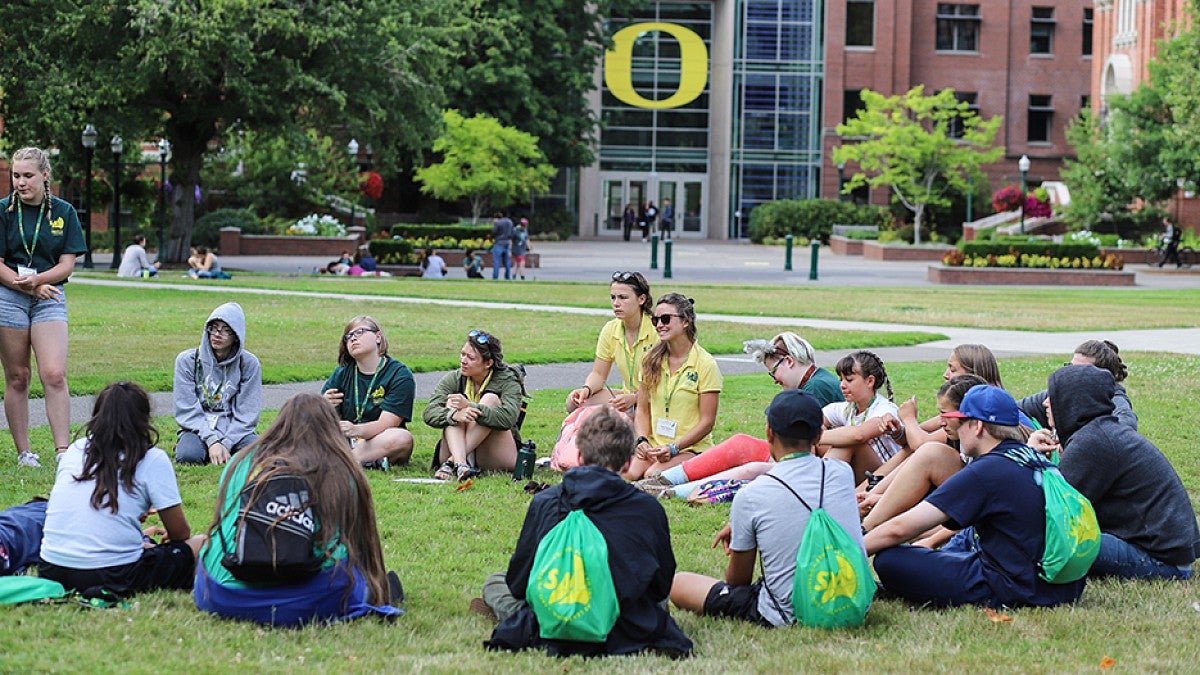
<point x="443" y="543"/>
<point x="1059" y="309"/>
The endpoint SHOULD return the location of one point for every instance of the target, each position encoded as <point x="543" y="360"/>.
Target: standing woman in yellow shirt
<point x="679" y="392"/>
<point x="624" y="341"/>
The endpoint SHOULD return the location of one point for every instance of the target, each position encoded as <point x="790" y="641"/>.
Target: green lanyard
<point x="360" y="407"/>
<point x="794" y="455"/>
<point x="631" y="360"/>
<point x="854" y="411"/>
<point x="37" y="229"/>
<point x="667" y="399"/>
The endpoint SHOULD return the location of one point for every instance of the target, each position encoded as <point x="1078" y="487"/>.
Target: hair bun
<point x="691" y="301"/>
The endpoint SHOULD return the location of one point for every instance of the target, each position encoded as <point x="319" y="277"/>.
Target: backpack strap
<point x="820" y="504"/>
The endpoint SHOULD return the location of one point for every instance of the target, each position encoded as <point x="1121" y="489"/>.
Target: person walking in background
<point x="628" y="219"/>
<point x="41" y="237"/>
<point x="641" y="221"/>
<point x="520" y="246"/>
<point x="502" y="232"/>
<point x="134" y="262"/>
<point x="667" y="218"/>
<point x="1171" y="239"/>
<point x="651" y="220"/>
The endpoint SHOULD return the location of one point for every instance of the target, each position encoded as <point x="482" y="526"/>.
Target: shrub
<point x="812" y="219"/>
<point x="207" y="230"/>
<point x="426" y="231"/>
<point x="1007" y="198"/>
<point x="978" y="248"/>
<point x="551" y="222"/>
<point x="393" y="251"/>
<point x="313" y="225"/>
<point x="862" y="235"/>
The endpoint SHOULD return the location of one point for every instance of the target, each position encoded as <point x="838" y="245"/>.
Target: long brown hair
<point x="979" y="360"/>
<point x="305" y="441"/>
<point x="652" y="364"/>
<point x="119" y="434"/>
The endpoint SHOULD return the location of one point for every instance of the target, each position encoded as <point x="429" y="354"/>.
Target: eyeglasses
<point x="357" y="333"/>
<point x="224" y="331"/>
<point x="478" y="337"/>
<point x="623" y="276"/>
<point x="663" y="319"/>
<point x="775" y="367"/>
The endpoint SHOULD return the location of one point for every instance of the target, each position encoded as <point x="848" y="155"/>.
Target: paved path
<point x="1004" y="343"/>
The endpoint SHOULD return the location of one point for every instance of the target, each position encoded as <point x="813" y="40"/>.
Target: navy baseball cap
<point x="989" y="404"/>
<point x="795" y="413"/>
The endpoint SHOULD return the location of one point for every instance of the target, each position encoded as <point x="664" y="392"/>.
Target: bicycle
<point x="1187" y="256"/>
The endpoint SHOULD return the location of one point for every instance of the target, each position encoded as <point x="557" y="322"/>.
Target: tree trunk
<point x="189" y="142"/>
<point x="918" y="215"/>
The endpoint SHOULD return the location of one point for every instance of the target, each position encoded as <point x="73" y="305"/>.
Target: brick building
<point x="1029" y="61"/>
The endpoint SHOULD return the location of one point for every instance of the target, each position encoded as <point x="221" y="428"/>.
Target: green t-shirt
<point x="825" y="386"/>
<point x="46" y="238"/>
<point x="214" y="550"/>
<point x="364" y="397"/>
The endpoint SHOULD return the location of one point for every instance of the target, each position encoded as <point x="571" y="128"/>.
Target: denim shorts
<point x="19" y="310"/>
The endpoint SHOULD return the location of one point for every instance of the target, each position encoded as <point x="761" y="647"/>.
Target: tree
<point x="1175" y="72"/>
<point x="485" y="162"/>
<point x="187" y="70"/>
<point x="907" y="142"/>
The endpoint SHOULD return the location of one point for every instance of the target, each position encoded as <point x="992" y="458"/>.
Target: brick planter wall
<point x="844" y="246"/>
<point x="1005" y="276"/>
<point x="233" y="242"/>
<point x="1132" y="256"/>
<point x="454" y="258"/>
<point x="873" y="250"/>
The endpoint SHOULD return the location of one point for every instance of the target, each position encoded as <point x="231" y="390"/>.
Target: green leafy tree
<point x="484" y="162"/>
<point x="189" y="70"/>
<point x="907" y="144"/>
<point x="1175" y="72"/>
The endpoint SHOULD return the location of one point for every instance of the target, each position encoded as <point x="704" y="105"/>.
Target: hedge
<point x="438" y="231"/>
<point x="392" y="251"/>
<point x="812" y="219"/>
<point x="1046" y="248"/>
<point x="207" y="230"/>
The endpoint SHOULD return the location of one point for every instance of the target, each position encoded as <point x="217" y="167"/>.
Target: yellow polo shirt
<point x="698" y="375"/>
<point x="611" y="347"/>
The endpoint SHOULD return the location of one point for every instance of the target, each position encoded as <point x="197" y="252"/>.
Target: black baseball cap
<point x="795" y="413"/>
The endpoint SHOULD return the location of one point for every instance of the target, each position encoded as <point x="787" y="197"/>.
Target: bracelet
<point x="673" y="448"/>
<point x="898" y="434"/>
<point x="640" y="440"/>
<point x="589" y="390"/>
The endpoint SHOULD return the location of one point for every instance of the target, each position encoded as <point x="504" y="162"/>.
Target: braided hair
<point x="652" y="364"/>
<point x="868" y="365"/>
<point x="42" y="161"/>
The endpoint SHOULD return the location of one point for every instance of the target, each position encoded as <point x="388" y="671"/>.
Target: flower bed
<point x="233" y="242"/>
<point x="1020" y="276"/>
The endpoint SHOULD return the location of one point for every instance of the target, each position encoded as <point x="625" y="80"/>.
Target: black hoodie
<point x="1137" y="495"/>
<point x="639" y="554"/>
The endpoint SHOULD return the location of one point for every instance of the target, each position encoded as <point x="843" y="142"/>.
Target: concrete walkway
<point x="1004" y="343"/>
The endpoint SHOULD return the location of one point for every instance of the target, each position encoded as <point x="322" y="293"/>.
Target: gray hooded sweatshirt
<point x="219" y="400"/>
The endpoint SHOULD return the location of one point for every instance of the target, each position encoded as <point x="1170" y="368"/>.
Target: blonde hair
<point x="42" y="160"/>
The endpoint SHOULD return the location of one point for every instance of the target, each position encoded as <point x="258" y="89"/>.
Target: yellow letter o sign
<point x="693" y="69"/>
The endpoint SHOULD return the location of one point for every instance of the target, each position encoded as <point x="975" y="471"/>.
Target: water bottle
<point x="526" y="458"/>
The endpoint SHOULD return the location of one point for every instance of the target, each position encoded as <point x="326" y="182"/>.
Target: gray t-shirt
<point x="766" y="516"/>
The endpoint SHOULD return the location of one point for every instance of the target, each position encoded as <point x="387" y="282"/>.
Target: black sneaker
<point x="380" y="464"/>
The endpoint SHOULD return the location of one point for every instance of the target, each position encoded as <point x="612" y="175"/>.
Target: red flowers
<point x="371" y="184"/>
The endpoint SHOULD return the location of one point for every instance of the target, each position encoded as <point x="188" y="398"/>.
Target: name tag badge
<point x="665" y="428"/>
<point x="23" y="271"/>
<point x="212" y="422"/>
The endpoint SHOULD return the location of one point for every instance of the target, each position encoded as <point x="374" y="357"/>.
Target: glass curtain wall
<point x="778" y="74"/>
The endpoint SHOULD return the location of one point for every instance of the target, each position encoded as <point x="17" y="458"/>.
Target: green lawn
<point x="135" y="333"/>
<point x="1065" y="309"/>
<point x="444" y="543"/>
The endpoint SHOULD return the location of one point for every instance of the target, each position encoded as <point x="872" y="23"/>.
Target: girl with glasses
<point x="373" y="396"/>
<point x="218" y="391"/>
<point x="478" y="409"/>
<point x="41" y="238"/>
<point x="624" y="341"/>
<point x="678" y="395"/>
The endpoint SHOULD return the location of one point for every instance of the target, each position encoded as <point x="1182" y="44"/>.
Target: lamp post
<point x="1179" y="183"/>
<point x="164" y="148"/>
<point x="352" y="147"/>
<point x="118" y="145"/>
<point x="88" y="139"/>
<point x="970" y="198"/>
<point x="841" y="167"/>
<point x="1023" y="166"/>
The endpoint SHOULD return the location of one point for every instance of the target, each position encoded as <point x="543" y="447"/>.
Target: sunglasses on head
<point x="624" y="276"/>
<point x="478" y="337"/>
<point x="663" y="319"/>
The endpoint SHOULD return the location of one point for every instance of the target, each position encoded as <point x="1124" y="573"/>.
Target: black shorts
<point x="170" y="565"/>
<point x="737" y="602"/>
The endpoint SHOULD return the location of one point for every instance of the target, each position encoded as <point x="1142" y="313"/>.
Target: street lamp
<point x="352" y="147"/>
<point x="117" y="145"/>
<point x="88" y="139"/>
<point x="841" y="167"/>
<point x="1179" y="183"/>
<point x="1023" y="166"/>
<point x="164" y="148"/>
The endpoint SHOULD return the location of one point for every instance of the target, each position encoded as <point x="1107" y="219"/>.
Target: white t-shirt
<point x="764" y="515"/>
<point x="435" y="267"/>
<point x="842" y="415"/>
<point x="80" y="537"/>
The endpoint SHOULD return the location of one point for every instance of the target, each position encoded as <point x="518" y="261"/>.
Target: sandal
<point x="466" y="472"/>
<point x="446" y="471"/>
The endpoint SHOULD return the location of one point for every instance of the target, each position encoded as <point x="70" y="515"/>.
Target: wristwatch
<point x="673" y="448"/>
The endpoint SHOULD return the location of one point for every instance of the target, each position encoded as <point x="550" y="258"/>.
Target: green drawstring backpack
<point x="570" y="586"/>
<point x="1072" y="531"/>
<point x="22" y="588"/>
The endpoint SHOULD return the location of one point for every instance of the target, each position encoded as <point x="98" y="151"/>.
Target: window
<point x="957" y="27"/>
<point x="851" y="103"/>
<point x="1087" y="31"/>
<point x="860" y="23"/>
<point x="1041" y="31"/>
<point x="1041" y="116"/>
<point x="956" y="125"/>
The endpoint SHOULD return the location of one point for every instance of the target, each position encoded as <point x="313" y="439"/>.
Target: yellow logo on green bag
<point x="569" y="594"/>
<point x="1082" y="525"/>
<point x="842" y="583"/>
<point x="56" y="226"/>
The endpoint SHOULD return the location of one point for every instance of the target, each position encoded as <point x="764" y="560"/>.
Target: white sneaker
<point x="30" y="459"/>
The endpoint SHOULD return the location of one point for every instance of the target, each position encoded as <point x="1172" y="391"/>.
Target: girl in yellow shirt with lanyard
<point x="679" y="392"/>
<point x="624" y="341"/>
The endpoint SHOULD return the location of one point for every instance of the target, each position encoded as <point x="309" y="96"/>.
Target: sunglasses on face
<point x="357" y="333"/>
<point x="663" y="319"/>
<point x="478" y="337"/>
<point x="224" y="331"/>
